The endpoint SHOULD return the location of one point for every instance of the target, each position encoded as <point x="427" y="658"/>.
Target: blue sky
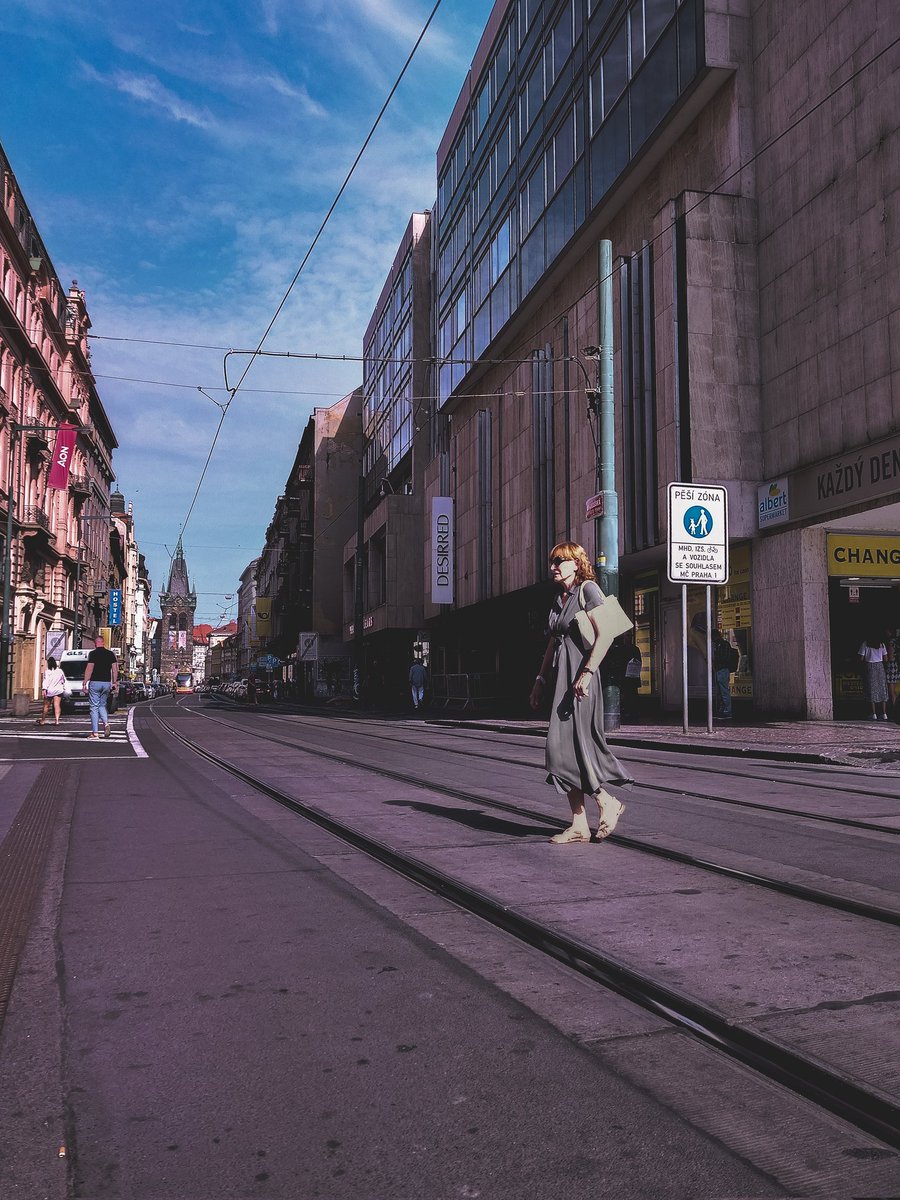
<point x="178" y="158"/>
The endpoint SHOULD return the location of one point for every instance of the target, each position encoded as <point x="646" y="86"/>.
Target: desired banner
<point x="62" y="456"/>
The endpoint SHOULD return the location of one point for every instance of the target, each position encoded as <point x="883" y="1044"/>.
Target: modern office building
<point x="398" y="384"/>
<point x="742" y="159"/>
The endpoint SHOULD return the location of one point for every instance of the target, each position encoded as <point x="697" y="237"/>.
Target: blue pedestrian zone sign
<point x="698" y="533"/>
<point x="698" y="521"/>
<point x="115" y="606"/>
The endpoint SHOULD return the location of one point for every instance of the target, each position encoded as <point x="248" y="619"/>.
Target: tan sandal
<point x="608" y="820"/>
<point x="571" y="835"/>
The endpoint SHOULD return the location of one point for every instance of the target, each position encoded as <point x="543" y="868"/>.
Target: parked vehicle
<point x="73" y="663"/>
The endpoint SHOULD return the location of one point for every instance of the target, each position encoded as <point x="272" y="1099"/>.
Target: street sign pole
<point x="709" y="661"/>
<point x="685" y="723"/>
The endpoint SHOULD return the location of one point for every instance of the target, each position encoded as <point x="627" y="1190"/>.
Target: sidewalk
<point x="854" y="743"/>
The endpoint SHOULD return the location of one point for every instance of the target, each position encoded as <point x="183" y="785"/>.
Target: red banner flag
<point x="62" y="456"/>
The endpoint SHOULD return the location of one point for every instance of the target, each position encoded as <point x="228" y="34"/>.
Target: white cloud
<point x="149" y="90"/>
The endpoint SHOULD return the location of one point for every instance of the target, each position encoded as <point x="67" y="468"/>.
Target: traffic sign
<point x="308" y="647"/>
<point x="268" y="662"/>
<point x="698" y="533"/>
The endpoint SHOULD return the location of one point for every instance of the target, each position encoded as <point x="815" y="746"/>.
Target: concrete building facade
<point x="742" y="158"/>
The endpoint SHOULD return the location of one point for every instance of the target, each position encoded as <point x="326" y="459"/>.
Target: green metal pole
<point x="608" y="547"/>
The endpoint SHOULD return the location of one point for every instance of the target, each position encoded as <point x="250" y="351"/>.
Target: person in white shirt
<point x="53" y="686"/>
<point x="873" y="653"/>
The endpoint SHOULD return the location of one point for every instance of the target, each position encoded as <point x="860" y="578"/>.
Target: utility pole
<point x="602" y="404"/>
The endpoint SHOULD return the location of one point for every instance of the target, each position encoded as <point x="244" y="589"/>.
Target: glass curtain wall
<point x="571" y="92"/>
<point x="387" y="384"/>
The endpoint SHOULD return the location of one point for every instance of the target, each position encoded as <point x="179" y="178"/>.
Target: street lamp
<point x="601" y="398"/>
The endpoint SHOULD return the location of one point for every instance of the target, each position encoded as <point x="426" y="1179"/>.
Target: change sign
<point x="698" y="533"/>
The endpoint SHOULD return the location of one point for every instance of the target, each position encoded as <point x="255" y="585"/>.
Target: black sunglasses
<point x="555" y="562"/>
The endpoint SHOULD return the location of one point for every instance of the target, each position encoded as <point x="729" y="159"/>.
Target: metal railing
<point x="465" y="689"/>
<point x="32" y="515"/>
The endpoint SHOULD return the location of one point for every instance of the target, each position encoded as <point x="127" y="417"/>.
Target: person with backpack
<point x="725" y="661"/>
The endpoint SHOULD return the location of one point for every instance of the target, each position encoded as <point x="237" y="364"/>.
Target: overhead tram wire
<point x="234" y="391"/>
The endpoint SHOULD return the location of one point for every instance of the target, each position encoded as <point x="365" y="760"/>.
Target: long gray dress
<point x="577" y="755"/>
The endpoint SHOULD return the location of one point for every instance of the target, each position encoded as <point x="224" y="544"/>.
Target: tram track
<point x="865" y="1108"/>
<point x="848" y="822"/>
<point x="798" y="891"/>
<point x="360" y="729"/>
<point x="741" y="769"/>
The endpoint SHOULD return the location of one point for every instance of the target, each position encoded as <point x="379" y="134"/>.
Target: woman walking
<point x="54" y="686"/>
<point x="873" y="653"/>
<point x="579" y="762"/>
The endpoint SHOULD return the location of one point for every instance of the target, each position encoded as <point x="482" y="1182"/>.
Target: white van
<point x="73" y="663"/>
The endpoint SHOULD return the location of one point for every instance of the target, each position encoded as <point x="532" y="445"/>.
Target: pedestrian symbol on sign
<point x="698" y="522"/>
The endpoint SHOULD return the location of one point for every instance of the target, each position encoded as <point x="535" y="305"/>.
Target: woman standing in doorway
<point x="873" y="653"/>
<point x="579" y="762"/>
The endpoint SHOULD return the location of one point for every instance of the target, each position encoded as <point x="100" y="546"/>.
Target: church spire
<point x="179" y="585"/>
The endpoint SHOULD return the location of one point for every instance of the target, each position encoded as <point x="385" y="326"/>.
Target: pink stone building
<point x="56" y="543"/>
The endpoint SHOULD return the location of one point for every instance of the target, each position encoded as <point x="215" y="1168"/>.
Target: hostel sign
<point x="698" y="534"/>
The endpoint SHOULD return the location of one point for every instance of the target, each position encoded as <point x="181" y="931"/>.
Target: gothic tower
<point x="177" y="604"/>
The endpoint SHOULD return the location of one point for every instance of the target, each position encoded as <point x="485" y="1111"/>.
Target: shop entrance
<point x="863" y="602"/>
<point x="857" y="609"/>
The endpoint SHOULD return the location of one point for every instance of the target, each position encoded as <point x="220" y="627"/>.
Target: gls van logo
<point x="773" y="503"/>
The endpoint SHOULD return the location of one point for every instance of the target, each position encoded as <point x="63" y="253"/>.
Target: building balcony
<point x="80" y="485"/>
<point x="35" y="520"/>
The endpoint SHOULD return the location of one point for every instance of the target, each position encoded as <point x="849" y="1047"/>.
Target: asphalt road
<point x="246" y="1008"/>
